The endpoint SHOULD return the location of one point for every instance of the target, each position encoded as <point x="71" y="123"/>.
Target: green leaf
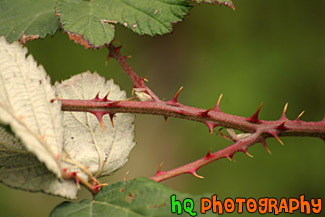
<point x="21" y="169"/>
<point x="92" y="23"/>
<point x="221" y="2"/>
<point x="26" y="20"/>
<point x="138" y="197"/>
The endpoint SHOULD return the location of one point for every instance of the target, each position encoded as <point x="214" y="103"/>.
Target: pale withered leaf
<point x="25" y="95"/>
<point x="88" y="148"/>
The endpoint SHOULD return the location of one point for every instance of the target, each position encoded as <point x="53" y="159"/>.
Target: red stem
<point x="136" y="79"/>
<point x="291" y="128"/>
<point x="258" y="129"/>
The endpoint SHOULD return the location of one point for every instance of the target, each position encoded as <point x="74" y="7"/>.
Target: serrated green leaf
<point x="135" y="198"/>
<point x="221" y="2"/>
<point x="92" y="23"/>
<point x="26" y="20"/>
<point x="21" y="169"/>
<point x="86" y="143"/>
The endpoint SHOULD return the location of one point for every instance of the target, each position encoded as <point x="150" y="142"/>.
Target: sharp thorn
<point x="208" y="153"/>
<point x="128" y="57"/>
<point x="99" y="116"/>
<point x="97" y="96"/>
<point x="279" y="140"/>
<point x="211" y="126"/>
<point x="106" y="97"/>
<point x="102" y="124"/>
<point x="174" y="100"/>
<point x="217" y="107"/>
<point x="197" y="176"/>
<point x="229" y="158"/>
<point x="178" y="92"/>
<point x="281" y="126"/>
<point x="298" y="118"/>
<point x="145" y="79"/>
<point x="55" y="99"/>
<point x="248" y="154"/>
<point x="165" y="119"/>
<point x="275" y="135"/>
<point x="265" y="146"/>
<point x="126" y="176"/>
<point x="111" y="116"/>
<point x="205" y="113"/>
<point x="285" y="108"/>
<point x="160" y="166"/>
<point x="254" y="118"/>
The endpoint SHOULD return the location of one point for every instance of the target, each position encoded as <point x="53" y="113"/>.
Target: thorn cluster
<point x="99" y="114"/>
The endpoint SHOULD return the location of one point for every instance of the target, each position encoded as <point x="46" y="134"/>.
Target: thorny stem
<point x="136" y="79"/>
<point x="213" y="117"/>
<point x="86" y="184"/>
<point x="257" y="131"/>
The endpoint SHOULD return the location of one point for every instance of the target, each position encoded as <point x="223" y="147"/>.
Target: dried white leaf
<point x="91" y="151"/>
<point x="25" y="94"/>
<point x="21" y="169"/>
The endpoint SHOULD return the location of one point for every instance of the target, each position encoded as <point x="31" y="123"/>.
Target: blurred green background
<point x="270" y="51"/>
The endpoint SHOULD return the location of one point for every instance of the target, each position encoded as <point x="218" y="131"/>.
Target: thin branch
<point x="254" y="130"/>
<point x="135" y="78"/>
<point x="227" y="152"/>
<point x="212" y="117"/>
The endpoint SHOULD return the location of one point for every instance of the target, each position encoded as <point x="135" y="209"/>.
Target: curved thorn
<point x="285" y="108"/>
<point x="178" y="92"/>
<point x="197" y="176"/>
<point x="248" y="154"/>
<point x="97" y="96"/>
<point x="254" y="118"/>
<point x="174" y="100"/>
